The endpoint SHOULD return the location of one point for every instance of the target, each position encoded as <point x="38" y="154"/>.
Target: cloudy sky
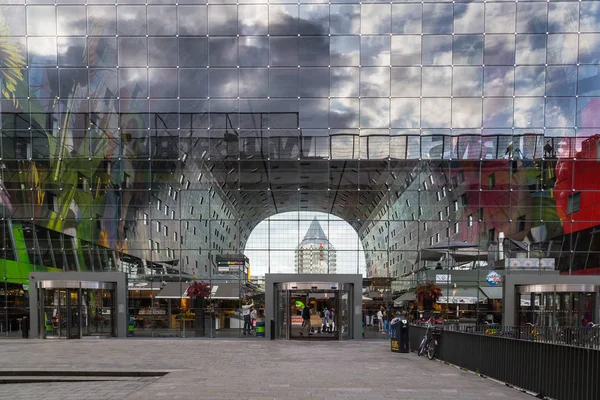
<point x="282" y="233"/>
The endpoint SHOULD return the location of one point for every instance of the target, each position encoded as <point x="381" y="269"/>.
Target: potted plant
<point x="427" y="294"/>
<point x="198" y="291"/>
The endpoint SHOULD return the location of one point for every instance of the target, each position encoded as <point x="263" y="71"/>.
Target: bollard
<point x="25" y="328"/>
<point x="272" y="329"/>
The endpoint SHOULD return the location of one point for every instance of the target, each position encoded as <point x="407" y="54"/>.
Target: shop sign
<point x="443" y="278"/>
<point x="493" y="278"/>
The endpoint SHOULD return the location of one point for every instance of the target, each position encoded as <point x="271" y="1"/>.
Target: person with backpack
<point x="306" y="320"/>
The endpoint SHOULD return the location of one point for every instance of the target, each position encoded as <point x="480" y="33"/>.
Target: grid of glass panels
<point x="149" y="137"/>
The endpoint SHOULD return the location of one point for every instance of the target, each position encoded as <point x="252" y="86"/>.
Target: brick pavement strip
<point x="241" y="369"/>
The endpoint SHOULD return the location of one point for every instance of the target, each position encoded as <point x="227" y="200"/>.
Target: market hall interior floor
<point x="240" y="369"/>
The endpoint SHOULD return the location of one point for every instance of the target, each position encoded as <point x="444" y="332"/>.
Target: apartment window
<point x="166" y="210"/>
<point x="172" y="214"/>
<point x="187" y="184"/>
<point x="425" y="186"/>
<point x="521" y="223"/>
<point x="175" y="193"/>
<point x="171" y="191"/>
<point x="492" y="180"/>
<point x="491" y="235"/>
<point x="407" y="203"/>
<point x="150" y="244"/>
<point x="470" y="220"/>
<point x="438" y="196"/>
<point x="158" y="226"/>
<point x="431" y="179"/>
<point x="424" y="226"/>
<point x="420" y="211"/>
<point x="158" y="204"/>
<point x="166" y="230"/>
<point x="168" y="252"/>
<point x="199" y="176"/>
<point x="52" y="201"/>
<point x="404" y="240"/>
<point x="191" y="210"/>
<point x="455" y="205"/>
<point x="431" y="240"/>
<point x="413" y="216"/>
<point x="447" y="231"/>
<point x="455" y="227"/>
<point x="480" y="214"/>
<point x="181" y="179"/>
<point x="573" y="203"/>
<point x="447" y="211"/>
<point x="175" y="236"/>
<point x="443" y="191"/>
<point x="437" y="237"/>
<point x="410" y="236"/>
<point x="187" y="224"/>
<point x="194" y="230"/>
<point x="440" y="215"/>
<point x="157" y="247"/>
<point x="145" y="219"/>
<point x="463" y="199"/>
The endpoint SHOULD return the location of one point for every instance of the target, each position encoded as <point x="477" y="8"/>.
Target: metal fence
<point x="586" y="337"/>
<point x="548" y="368"/>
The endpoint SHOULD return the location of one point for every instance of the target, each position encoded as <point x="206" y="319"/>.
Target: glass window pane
<point x="344" y="113"/>
<point x="375" y="18"/>
<point x="531" y="49"/>
<point x="500" y="17"/>
<point x="344" y="19"/>
<point x="374" y="113"/>
<point x="437" y="81"/>
<point x="499" y="50"/>
<point x="563" y="17"/>
<point x="283" y="82"/>
<point x="467" y="81"/>
<point x="133" y="52"/>
<point x="344" y="82"/>
<point x="72" y="52"/>
<point x="223" y="82"/>
<point x="468" y="18"/>
<point x="531" y="17"/>
<point x="588" y="80"/>
<point x="588" y="112"/>
<point x="437" y="50"/>
<point x="530" y="81"/>
<point x="406" y="50"/>
<point x="313" y="51"/>
<point x="441" y="118"/>
<point x="498" y="81"/>
<point x="252" y="19"/>
<point x="529" y="112"/>
<point x="133" y="83"/>
<point x="222" y="51"/>
<point x="561" y="81"/>
<point x="589" y="17"/>
<point x="253" y="51"/>
<point x="375" y="82"/>
<point x="406" y="18"/>
<point x="162" y="52"/>
<point x="283" y="51"/>
<point x="562" y="49"/>
<point x="220" y="18"/>
<point x="497" y="112"/>
<point x="162" y="82"/>
<point x="375" y="50"/>
<point x="559" y="113"/>
<point x="589" y="48"/>
<point x="103" y="51"/>
<point x="161" y="20"/>
<point x="406" y="113"/>
<point x="439" y="18"/>
<point x="193" y="52"/>
<point x="406" y="82"/>
<point x="253" y="82"/>
<point x="131" y="20"/>
<point x="41" y="21"/>
<point x="466" y="113"/>
<point x="283" y="19"/>
<point x="313" y="82"/>
<point x="102" y="20"/>
<point x="468" y="50"/>
<point x="71" y="20"/>
<point x="345" y="50"/>
<point x="192" y="20"/>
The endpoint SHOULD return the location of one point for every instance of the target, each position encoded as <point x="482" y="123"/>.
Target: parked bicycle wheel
<point x="431" y="349"/>
<point x="422" y="347"/>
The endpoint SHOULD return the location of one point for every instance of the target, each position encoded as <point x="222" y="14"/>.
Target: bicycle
<point x="429" y="342"/>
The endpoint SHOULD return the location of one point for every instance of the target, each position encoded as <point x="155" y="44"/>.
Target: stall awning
<point x="408" y="296"/>
<point x="218" y="291"/>
<point x="226" y="291"/>
<point x="461" y="296"/>
<point x="173" y="290"/>
<point x="492" y="293"/>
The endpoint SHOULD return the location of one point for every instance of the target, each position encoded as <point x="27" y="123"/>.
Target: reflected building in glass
<point x="150" y="138"/>
<point x="315" y="254"/>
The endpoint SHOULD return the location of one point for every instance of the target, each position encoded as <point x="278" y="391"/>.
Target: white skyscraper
<point x="315" y="255"/>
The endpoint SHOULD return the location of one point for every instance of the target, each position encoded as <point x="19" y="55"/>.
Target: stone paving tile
<point x="233" y="370"/>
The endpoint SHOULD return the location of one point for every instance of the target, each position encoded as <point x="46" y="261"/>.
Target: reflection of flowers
<point x="198" y="289"/>
<point x="11" y="63"/>
<point x="428" y="291"/>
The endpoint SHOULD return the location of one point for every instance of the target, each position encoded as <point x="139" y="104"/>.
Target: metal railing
<point x="559" y="363"/>
<point x="578" y="336"/>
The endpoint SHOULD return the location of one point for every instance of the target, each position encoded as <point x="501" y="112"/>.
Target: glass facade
<point x="150" y="137"/>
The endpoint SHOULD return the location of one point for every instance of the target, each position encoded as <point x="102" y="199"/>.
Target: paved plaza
<point x="239" y="369"/>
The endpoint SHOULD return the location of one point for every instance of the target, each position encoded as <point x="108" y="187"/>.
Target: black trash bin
<point x="25" y="328"/>
<point x="403" y="336"/>
<point x="395" y="335"/>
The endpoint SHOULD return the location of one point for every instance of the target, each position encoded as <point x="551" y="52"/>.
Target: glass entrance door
<point x="323" y="309"/>
<point x="71" y="313"/>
